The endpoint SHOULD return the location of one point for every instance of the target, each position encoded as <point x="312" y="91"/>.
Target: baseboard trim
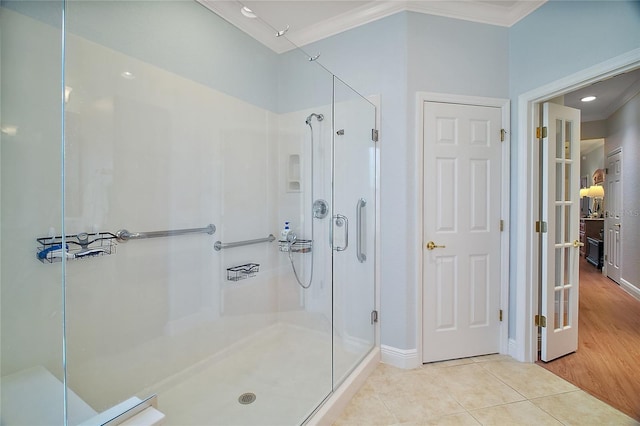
<point x="401" y="358"/>
<point x="630" y="288"/>
<point x="512" y="351"/>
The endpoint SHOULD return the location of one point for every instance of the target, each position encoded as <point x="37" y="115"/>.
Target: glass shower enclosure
<point x="151" y="154"/>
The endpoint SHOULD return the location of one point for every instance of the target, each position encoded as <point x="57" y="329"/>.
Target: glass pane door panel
<point x="177" y="120"/>
<point x="354" y="221"/>
<point x="31" y="146"/>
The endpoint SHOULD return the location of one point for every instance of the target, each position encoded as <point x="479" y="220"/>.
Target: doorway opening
<point x="526" y="256"/>
<point x="529" y="251"/>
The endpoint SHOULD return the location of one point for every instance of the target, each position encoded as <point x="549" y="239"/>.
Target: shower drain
<point x="247" y="398"/>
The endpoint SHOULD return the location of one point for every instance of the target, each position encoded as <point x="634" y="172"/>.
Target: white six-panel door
<point x="461" y="240"/>
<point x="613" y="216"/>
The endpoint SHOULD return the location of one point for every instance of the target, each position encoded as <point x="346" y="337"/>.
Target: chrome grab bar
<point x="360" y="232"/>
<point x="341" y="220"/>
<point x="219" y="245"/>
<point x="123" y="235"/>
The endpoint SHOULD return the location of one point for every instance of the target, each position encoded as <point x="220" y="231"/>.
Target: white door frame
<point x="504" y="105"/>
<point x="524" y="346"/>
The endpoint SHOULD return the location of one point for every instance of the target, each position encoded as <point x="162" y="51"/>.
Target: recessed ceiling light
<point x="247" y="12"/>
<point x="588" y="99"/>
<point x="128" y="75"/>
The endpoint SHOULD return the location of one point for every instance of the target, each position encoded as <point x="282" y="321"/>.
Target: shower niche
<point x="294" y="183"/>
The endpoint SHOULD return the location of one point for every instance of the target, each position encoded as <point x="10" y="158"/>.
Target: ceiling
<point x="610" y="95"/>
<point x="308" y="21"/>
<point x="312" y="20"/>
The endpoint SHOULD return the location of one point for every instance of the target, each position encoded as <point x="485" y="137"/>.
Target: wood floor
<point x="607" y="362"/>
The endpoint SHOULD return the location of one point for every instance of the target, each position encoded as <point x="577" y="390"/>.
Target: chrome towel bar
<point x="219" y="245"/>
<point x="123" y="235"/>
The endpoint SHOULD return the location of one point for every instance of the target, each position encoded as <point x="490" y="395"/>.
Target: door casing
<point x="504" y="105"/>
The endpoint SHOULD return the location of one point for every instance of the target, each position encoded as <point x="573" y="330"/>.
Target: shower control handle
<point x="340" y="221"/>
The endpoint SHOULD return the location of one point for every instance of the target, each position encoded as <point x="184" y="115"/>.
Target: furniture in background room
<point x="590" y="228"/>
<point x="596" y="252"/>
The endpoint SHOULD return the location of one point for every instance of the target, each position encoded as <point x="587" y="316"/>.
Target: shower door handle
<point x="341" y="220"/>
<point x="359" y="230"/>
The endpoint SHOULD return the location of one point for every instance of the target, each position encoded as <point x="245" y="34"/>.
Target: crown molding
<point x="354" y="18"/>
<point x="477" y="11"/>
<point x="617" y="103"/>
<point x="485" y="12"/>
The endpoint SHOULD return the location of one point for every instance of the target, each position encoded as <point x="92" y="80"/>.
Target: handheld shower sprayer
<point x="319" y="211"/>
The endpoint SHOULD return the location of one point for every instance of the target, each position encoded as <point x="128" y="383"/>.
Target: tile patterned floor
<point x="489" y="390"/>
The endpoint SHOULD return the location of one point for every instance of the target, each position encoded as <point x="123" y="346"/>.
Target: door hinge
<point x="541" y="132"/>
<point x="374" y="135"/>
<point x="606" y="171"/>
<point x="374" y="316"/>
<point x="502" y="133"/>
<point x="500" y="315"/>
<point x="340" y="132"/>
<point x="501" y="225"/>
<point x="541" y="226"/>
<point x="541" y="321"/>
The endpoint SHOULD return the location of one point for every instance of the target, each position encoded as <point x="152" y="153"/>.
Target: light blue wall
<point x="397" y="57"/>
<point x="179" y="36"/>
<point x="563" y="37"/>
<point x="301" y="83"/>
<point x="557" y="40"/>
<point x="454" y="57"/>
<point x="373" y="60"/>
<point x="457" y="57"/>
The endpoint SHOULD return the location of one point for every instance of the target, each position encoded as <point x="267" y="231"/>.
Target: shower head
<point x="320" y="117"/>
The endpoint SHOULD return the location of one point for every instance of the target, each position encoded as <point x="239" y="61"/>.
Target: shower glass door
<point x="354" y="184"/>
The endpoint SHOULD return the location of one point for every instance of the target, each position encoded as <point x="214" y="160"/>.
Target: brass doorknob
<point x="577" y="243"/>
<point x="431" y="245"/>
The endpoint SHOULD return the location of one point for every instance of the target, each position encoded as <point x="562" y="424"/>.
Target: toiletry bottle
<point x="283" y="237"/>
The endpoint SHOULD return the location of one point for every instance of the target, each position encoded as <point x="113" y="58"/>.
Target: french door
<point x="560" y="241"/>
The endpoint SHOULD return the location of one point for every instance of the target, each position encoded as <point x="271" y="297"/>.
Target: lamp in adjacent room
<point x="584" y="192"/>
<point x="597" y="193"/>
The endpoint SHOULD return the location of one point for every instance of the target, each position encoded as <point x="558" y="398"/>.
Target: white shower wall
<point x="162" y="152"/>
